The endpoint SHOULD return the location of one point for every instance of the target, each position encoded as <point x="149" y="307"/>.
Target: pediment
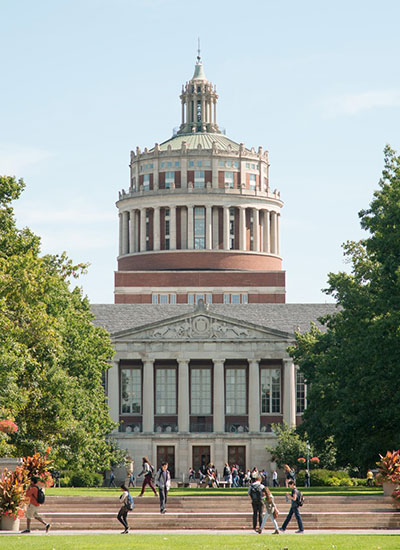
<point x="201" y="326"/>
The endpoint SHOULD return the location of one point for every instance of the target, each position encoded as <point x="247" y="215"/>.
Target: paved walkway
<point x="210" y="532"/>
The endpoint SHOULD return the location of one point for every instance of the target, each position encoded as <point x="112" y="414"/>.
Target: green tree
<point x="352" y="369"/>
<point x="52" y="357"/>
<point x="290" y="446"/>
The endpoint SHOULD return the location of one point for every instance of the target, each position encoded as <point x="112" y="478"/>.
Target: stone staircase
<point x="207" y="512"/>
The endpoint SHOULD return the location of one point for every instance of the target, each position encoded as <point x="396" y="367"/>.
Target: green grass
<point x="200" y="542"/>
<point x="112" y="492"/>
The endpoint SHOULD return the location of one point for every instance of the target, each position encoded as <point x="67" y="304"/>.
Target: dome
<point x="205" y="139"/>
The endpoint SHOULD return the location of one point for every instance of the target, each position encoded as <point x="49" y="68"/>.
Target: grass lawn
<point x="112" y="492"/>
<point x="200" y="542"/>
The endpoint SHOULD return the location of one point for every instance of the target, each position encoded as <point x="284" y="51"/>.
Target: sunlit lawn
<point x="200" y="542"/>
<point x="111" y="491"/>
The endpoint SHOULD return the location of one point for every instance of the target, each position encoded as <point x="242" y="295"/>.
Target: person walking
<point x="290" y="475"/>
<point x="127" y="506"/>
<point x="112" y="479"/>
<point x="132" y="480"/>
<point x="370" y="478"/>
<point x="36" y="498"/>
<point x="275" y="479"/>
<point x="227" y="475"/>
<point x="147" y="470"/>
<point x="296" y="499"/>
<point x="306" y="478"/>
<point x="163" y="482"/>
<point x="271" y="511"/>
<point x="256" y="494"/>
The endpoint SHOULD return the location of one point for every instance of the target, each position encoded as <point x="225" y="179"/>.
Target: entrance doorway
<point x="166" y="453"/>
<point x="201" y="457"/>
<point x="237" y="455"/>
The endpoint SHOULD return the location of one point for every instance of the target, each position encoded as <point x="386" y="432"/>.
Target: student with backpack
<point x="147" y="470"/>
<point x="256" y="494"/>
<point x="127" y="506"/>
<point x="297" y="500"/>
<point x="36" y="497"/>
<point x="163" y="482"/>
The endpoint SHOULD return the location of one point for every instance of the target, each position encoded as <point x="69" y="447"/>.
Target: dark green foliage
<point x="353" y="369"/>
<point x="85" y="479"/>
<point x="52" y="358"/>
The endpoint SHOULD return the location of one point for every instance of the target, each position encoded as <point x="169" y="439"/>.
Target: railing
<point x="168" y="427"/>
<point x="131" y="426"/>
<point x="236" y="427"/>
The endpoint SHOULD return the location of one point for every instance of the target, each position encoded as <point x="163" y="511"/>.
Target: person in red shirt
<point x="33" y="506"/>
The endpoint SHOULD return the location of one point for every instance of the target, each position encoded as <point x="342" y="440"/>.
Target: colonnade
<point x="254" y="405"/>
<point x="264" y="231"/>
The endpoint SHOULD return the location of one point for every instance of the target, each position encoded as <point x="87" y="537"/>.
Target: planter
<point x="9" y="524"/>
<point x="388" y="488"/>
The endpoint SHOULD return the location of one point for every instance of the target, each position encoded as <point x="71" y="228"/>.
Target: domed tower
<point x="199" y="220"/>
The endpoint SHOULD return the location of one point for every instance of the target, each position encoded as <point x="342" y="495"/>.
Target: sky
<point x="83" y="82"/>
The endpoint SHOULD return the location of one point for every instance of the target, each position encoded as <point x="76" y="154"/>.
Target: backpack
<point x="40" y="496"/>
<point x="256" y="494"/>
<point x="299" y="499"/>
<point x="130" y="503"/>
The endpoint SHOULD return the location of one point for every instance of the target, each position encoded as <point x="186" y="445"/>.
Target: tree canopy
<point x="352" y="369"/>
<point x="52" y="358"/>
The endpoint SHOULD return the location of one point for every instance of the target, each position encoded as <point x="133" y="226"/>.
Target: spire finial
<point x="198" y="50"/>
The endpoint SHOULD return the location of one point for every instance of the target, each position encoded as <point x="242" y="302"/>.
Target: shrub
<point x="326" y="478"/>
<point x="359" y="481"/>
<point x="81" y="479"/>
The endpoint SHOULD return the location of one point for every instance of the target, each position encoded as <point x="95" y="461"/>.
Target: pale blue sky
<point x="85" y="81"/>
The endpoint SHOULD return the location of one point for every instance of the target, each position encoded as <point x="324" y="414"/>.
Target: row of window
<point x="201" y="391"/>
<point x="199" y="180"/>
<point x="194" y="298"/>
<point x="200" y="163"/>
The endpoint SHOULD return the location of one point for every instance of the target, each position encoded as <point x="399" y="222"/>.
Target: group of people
<point x="261" y="496"/>
<point x="233" y="476"/>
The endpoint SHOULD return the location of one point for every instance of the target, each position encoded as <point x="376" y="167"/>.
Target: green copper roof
<point x="199" y="72"/>
<point x="204" y="139"/>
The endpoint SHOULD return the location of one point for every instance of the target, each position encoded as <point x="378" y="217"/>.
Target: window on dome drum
<point x="195" y="298"/>
<point x="147" y="231"/>
<point x="236" y="298"/>
<point x="163" y="299"/>
<point x="165" y="398"/>
<point x="228" y="178"/>
<point x="200" y="390"/>
<point x="270" y="390"/>
<point x="169" y="179"/>
<point x="199" y="178"/>
<point x="199" y="228"/>
<point x="131" y="391"/>
<point x="146" y="182"/>
<point x="252" y="183"/>
<point x="177" y="164"/>
<point x="169" y="164"/>
<point x="235" y="391"/>
<point x="221" y="163"/>
<point x="232" y="228"/>
<point x="166" y="229"/>
<point x="191" y="162"/>
<point x="300" y="392"/>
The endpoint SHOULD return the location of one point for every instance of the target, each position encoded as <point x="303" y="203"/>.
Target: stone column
<point x="125" y="232"/>
<point x="215" y="111"/>
<point x="183" y="111"/>
<point x="120" y="233"/>
<point x="273" y="233"/>
<point x="131" y="231"/>
<point x="226" y="228"/>
<point x="172" y="227"/>
<point x="183" y="228"/>
<point x="214" y="163"/>
<point x="219" y="397"/>
<point x="142" y="229"/>
<point x="266" y="235"/>
<point x="256" y="230"/>
<point x="208" y="227"/>
<point x="183" y="395"/>
<point x="190" y="239"/>
<point x="289" y="392"/>
<point x="254" y="396"/>
<point x="113" y="391"/>
<point x="148" y="392"/>
<point x="215" y="231"/>
<point x="156" y="228"/>
<point x="278" y="237"/>
<point x="242" y="228"/>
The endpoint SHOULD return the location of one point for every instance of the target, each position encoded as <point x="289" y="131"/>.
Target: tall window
<point x="199" y="178"/>
<point x="163" y="299"/>
<point x="235" y="391"/>
<point x="165" y="391"/>
<point x="228" y="179"/>
<point x="166" y="228"/>
<point x="270" y="391"/>
<point x="131" y="391"/>
<point x="146" y="182"/>
<point x="253" y="182"/>
<point x="195" y="298"/>
<point x="231" y="228"/>
<point x="169" y="179"/>
<point x="199" y="228"/>
<point x="236" y="298"/>
<point x="300" y="392"/>
<point x="147" y="230"/>
<point x="200" y="390"/>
